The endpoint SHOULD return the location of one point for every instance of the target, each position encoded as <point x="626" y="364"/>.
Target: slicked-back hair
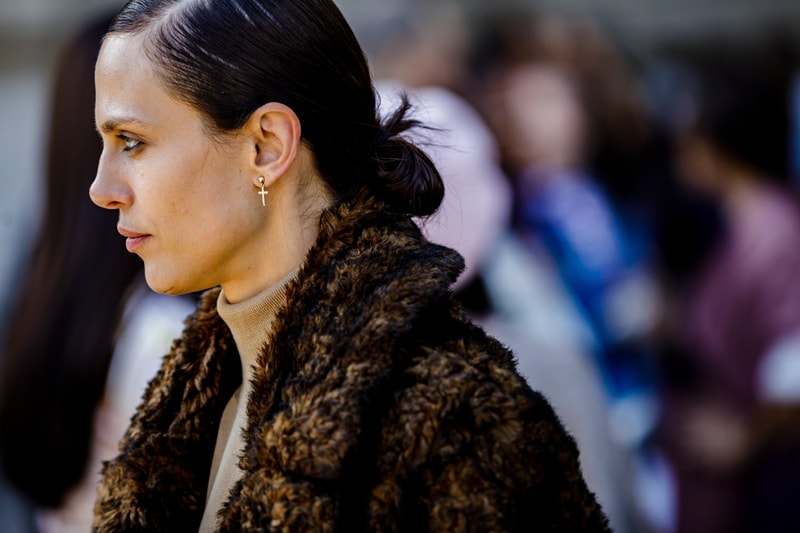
<point x="226" y="58"/>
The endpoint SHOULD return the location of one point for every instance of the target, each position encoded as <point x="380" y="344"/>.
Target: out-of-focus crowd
<point x="631" y="229"/>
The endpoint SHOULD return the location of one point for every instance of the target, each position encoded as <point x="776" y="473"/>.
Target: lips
<point x="133" y="239"/>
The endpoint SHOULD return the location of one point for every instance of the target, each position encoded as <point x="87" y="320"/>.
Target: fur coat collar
<point x="376" y="406"/>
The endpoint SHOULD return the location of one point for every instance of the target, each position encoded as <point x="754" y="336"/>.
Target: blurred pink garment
<point x="743" y="306"/>
<point x="747" y="298"/>
<point x="476" y="209"/>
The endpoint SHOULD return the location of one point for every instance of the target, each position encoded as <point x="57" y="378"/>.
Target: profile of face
<point x="187" y="201"/>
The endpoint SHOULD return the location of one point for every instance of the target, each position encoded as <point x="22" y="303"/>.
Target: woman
<point x="329" y="381"/>
<point x="86" y="334"/>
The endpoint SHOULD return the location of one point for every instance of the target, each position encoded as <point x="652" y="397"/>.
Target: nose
<point x="108" y="190"/>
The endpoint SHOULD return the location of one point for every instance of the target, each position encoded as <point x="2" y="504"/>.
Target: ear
<point x="276" y="137"/>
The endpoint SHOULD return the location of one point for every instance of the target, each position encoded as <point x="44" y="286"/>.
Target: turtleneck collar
<point x="251" y="321"/>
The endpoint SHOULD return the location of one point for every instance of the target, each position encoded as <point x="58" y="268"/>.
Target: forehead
<point x="128" y="87"/>
<point x="122" y="60"/>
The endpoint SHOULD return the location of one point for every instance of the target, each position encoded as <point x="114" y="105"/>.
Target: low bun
<point x="408" y="179"/>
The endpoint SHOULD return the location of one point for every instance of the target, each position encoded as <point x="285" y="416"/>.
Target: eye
<point x="130" y="143"/>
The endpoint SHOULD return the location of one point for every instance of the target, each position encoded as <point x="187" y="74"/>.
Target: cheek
<point x="219" y="206"/>
<point x="181" y="182"/>
<point x="201" y="190"/>
<point x="168" y="198"/>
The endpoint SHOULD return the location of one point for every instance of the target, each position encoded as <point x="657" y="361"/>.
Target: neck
<point x="290" y="229"/>
<point x="250" y="321"/>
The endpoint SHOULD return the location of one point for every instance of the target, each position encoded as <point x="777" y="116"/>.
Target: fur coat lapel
<point x="333" y="352"/>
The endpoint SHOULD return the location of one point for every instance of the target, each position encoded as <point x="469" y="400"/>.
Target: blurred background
<point x="640" y="246"/>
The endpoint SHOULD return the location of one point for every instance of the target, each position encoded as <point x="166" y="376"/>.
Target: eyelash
<point x="130" y="143"/>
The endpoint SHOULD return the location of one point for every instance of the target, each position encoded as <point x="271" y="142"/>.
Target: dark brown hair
<point x="228" y="57"/>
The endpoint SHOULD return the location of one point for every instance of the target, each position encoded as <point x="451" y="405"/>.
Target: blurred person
<point x="571" y="116"/>
<point x="85" y="332"/>
<point x="329" y="379"/>
<point x="731" y="398"/>
<point x="558" y="95"/>
<point x="512" y="290"/>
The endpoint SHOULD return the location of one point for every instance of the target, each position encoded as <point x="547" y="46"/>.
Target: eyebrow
<point x="113" y="124"/>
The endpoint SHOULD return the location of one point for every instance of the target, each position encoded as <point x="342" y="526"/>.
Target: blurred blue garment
<point x="570" y="215"/>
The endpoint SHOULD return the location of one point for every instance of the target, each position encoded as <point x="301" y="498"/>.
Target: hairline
<point x="151" y="34"/>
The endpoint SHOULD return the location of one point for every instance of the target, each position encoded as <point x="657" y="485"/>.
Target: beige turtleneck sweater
<point x="250" y="323"/>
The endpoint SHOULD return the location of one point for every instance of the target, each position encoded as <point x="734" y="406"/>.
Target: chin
<point x="162" y="289"/>
<point x="173" y="281"/>
<point x="162" y="284"/>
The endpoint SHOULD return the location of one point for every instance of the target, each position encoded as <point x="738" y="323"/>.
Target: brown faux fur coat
<point x="377" y="406"/>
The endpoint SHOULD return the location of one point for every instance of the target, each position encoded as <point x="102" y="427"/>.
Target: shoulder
<point x="485" y="445"/>
<point x="471" y="378"/>
<point x="468" y="382"/>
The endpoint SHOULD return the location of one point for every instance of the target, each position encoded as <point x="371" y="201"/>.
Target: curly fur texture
<point x="376" y="406"/>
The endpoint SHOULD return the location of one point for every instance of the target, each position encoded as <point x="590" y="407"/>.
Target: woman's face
<point x="187" y="203"/>
<point x="541" y="118"/>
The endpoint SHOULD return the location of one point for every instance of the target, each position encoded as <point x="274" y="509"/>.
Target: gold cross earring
<point x="263" y="192"/>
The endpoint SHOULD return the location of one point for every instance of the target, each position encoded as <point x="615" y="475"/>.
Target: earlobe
<point x="276" y="130"/>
